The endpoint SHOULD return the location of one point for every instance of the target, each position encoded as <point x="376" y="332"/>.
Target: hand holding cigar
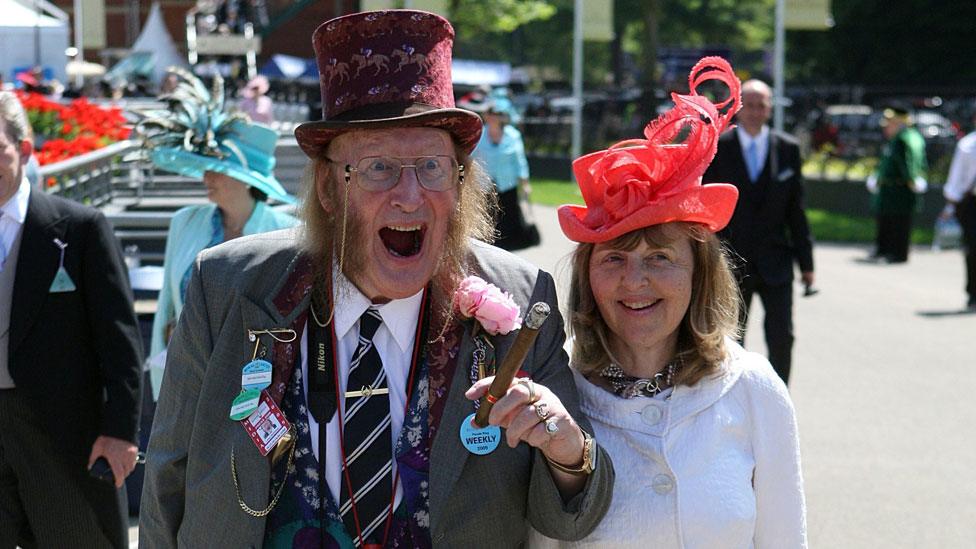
<point x="528" y="411"/>
<point x="505" y="373"/>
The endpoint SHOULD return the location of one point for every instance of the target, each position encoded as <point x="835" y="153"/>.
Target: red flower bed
<point x="71" y="130"/>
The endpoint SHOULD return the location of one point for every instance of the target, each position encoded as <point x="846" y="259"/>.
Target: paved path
<point x="884" y="377"/>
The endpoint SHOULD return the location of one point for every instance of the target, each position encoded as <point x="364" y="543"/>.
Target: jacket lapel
<point x="447" y="452"/>
<point x="284" y="307"/>
<point x="37" y="264"/>
<point x="253" y="469"/>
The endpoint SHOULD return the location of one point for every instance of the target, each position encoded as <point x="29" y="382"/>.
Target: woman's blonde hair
<point x="712" y="314"/>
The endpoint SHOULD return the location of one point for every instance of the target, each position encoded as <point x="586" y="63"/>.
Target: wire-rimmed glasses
<point x="381" y="173"/>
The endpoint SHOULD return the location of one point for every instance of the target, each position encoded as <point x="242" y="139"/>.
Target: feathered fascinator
<point x="642" y="182"/>
<point x="195" y="134"/>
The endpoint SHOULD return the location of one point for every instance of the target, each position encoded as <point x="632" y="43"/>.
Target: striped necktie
<point x="366" y="438"/>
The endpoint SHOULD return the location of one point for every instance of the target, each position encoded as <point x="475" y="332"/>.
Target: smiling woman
<point x="702" y="431"/>
<point x="664" y="288"/>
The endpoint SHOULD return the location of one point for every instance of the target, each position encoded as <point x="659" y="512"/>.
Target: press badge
<point x="266" y="425"/>
<point x="256" y="375"/>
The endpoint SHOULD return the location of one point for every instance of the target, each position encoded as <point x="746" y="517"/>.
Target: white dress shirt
<point x="962" y="171"/>
<point x="14" y="212"/>
<point x="12" y="215"/>
<point x="762" y="145"/>
<point x="394" y="340"/>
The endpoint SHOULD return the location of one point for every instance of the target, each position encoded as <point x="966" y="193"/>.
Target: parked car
<point x="848" y="129"/>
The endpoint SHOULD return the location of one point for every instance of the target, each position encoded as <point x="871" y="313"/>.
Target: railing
<point x="88" y="178"/>
<point x="247" y="45"/>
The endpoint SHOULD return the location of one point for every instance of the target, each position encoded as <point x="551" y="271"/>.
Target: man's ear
<point x="26" y="150"/>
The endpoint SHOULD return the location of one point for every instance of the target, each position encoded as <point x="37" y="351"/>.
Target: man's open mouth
<point x="403" y="240"/>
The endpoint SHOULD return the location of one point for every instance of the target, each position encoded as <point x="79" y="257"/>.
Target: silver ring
<point x="551" y="427"/>
<point x="530" y="385"/>
<point x="541" y="410"/>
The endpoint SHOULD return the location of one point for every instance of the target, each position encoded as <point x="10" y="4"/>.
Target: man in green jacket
<point x="899" y="178"/>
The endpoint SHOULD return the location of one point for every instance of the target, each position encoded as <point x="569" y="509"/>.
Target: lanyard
<point x="323" y="398"/>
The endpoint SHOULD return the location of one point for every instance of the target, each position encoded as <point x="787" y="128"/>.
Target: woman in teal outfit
<point x="502" y="153"/>
<point x="236" y="163"/>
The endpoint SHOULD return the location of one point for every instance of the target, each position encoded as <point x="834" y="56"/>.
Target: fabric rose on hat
<point x="630" y="178"/>
<point x="494" y="309"/>
<point x="628" y="184"/>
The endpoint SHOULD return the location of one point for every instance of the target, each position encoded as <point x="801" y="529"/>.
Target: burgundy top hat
<point x="386" y="69"/>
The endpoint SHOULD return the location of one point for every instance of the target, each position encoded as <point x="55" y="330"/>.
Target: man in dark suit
<point x="70" y="362"/>
<point x="769" y="229"/>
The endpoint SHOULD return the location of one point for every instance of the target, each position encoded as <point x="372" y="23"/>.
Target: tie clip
<point x="367" y="392"/>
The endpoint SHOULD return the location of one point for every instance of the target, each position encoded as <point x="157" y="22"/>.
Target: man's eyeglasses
<point x="381" y="173"/>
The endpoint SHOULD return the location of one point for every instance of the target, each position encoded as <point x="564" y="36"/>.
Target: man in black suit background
<point x="70" y="362"/>
<point x="769" y="229"/>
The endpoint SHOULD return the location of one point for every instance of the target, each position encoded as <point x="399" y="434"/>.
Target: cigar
<point x="505" y="373"/>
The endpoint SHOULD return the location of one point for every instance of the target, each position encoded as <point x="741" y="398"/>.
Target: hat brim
<point x="711" y="205"/>
<point x="463" y="125"/>
<point x="195" y="165"/>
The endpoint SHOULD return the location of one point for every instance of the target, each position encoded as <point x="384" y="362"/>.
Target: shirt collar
<point x="745" y="139"/>
<point x="400" y="316"/>
<point x="16" y="208"/>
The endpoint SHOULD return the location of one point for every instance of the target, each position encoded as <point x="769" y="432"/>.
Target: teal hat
<point x="196" y="135"/>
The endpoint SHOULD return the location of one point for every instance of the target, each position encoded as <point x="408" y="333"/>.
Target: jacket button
<point x="651" y="414"/>
<point x="663" y="484"/>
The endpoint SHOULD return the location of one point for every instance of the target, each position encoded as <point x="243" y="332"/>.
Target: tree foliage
<point x="543" y="35"/>
<point x="874" y="42"/>
<point x="498" y="16"/>
<point x="888" y="42"/>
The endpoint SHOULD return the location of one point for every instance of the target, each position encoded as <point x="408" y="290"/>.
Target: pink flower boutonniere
<point x="495" y="310"/>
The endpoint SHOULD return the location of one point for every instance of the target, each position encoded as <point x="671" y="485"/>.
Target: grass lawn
<point x="826" y="226"/>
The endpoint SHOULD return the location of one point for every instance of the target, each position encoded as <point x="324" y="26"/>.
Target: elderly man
<point x="70" y="362"/>
<point x="769" y="228"/>
<point x="318" y="383"/>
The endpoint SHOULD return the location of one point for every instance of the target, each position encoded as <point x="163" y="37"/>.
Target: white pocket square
<point x="785" y="174"/>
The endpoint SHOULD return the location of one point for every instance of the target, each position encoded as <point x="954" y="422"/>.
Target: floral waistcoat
<point x="295" y="520"/>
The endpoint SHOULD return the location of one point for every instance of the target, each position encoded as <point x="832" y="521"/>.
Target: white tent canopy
<point x="24" y="33"/>
<point x="156" y="39"/>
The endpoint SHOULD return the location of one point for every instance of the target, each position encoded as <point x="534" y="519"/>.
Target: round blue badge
<point x="256" y="375"/>
<point x="477" y="440"/>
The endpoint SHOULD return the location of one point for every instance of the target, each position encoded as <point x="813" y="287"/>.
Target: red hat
<point x="643" y="182"/>
<point x="28" y="78"/>
<point x="386" y="69"/>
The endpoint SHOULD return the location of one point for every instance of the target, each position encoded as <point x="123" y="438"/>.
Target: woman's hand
<point x="530" y="412"/>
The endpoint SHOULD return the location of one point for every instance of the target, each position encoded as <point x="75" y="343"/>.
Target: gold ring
<point x="530" y="385"/>
<point x="551" y="427"/>
<point x="541" y="410"/>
